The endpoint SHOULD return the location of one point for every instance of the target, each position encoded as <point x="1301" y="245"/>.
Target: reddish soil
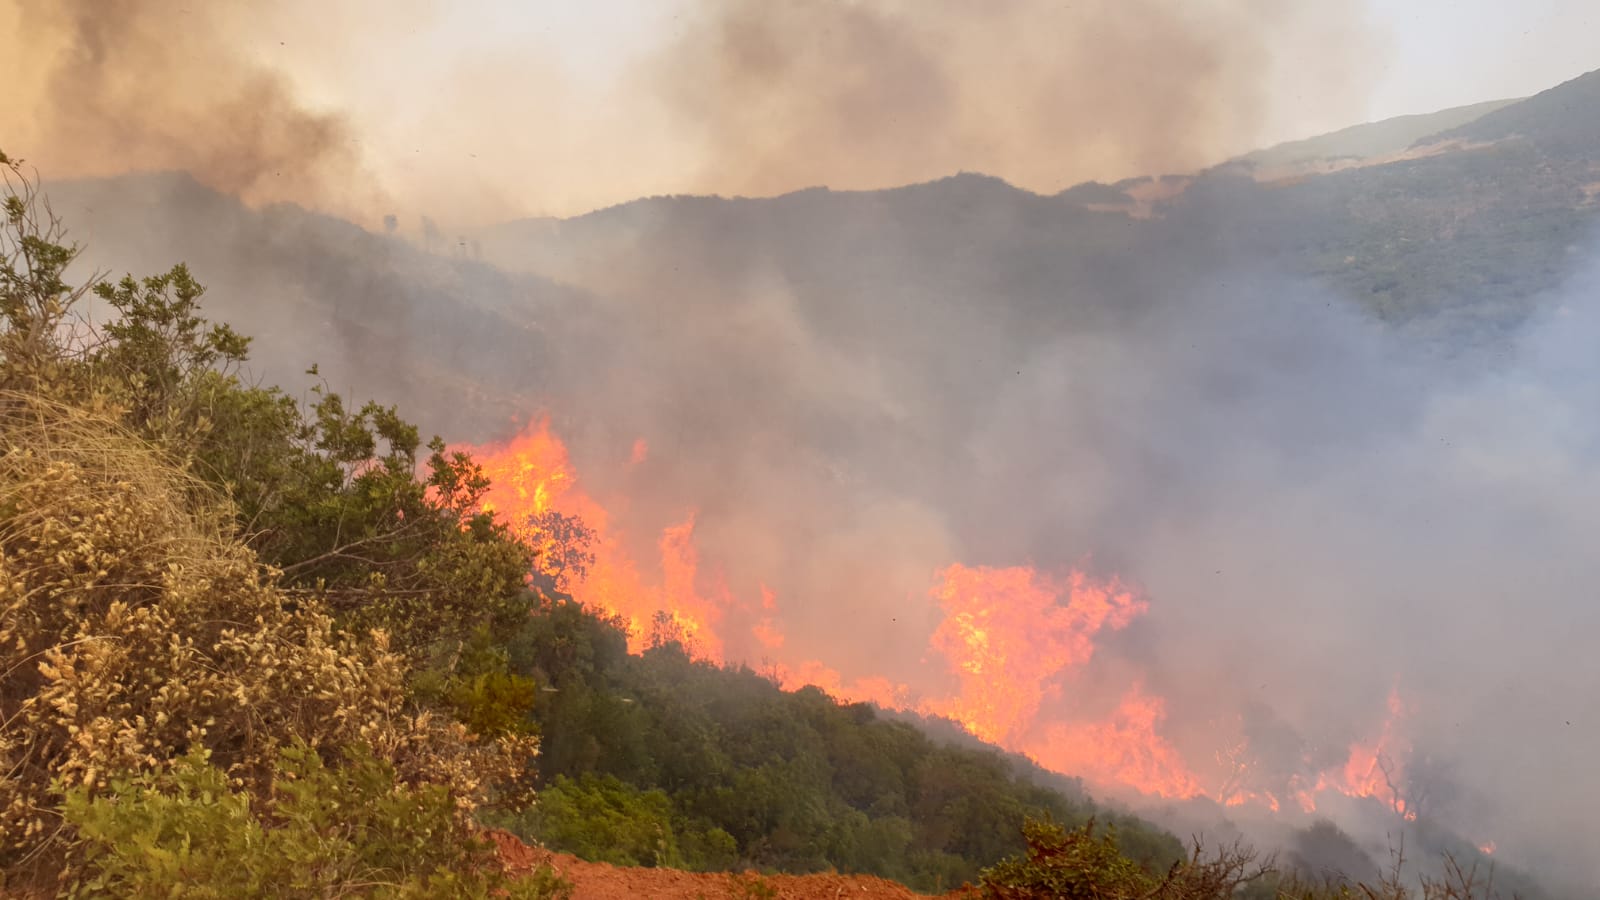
<point x="599" y="881"/>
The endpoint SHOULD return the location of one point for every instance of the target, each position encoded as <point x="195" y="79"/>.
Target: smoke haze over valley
<point x="728" y="97"/>
<point x="1306" y="445"/>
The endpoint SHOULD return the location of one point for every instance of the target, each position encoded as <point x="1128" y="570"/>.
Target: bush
<point x="141" y="628"/>
<point x="603" y="819"/>
<point x="189" y="831"/>
<point x="142" y="631"/>
<point x="1069" y="865"/>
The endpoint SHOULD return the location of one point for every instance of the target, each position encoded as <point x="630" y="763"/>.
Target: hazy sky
<point x="1451" y="52"/>
<point x="1436" y="53"/>
<point x="478" y="110"/>
<point x="568" y="58"/>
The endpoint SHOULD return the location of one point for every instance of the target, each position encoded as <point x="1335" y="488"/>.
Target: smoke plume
<point x="853" y="393"/>
<point x="1044" y="94"/>
<point x="365" y="109"/>
<point x="102" y="88"/>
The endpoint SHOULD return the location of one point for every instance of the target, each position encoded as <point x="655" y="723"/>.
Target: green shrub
<point x="350" y="829"/>
<point x="1066" y="865"/>
<point x="603" y="819"/>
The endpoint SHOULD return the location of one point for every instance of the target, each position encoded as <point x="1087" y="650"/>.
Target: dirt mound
<point x="599" y="881"/>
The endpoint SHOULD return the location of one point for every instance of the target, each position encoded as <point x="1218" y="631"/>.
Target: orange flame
<point x="530" y="475"/>
<point x="1009" y="640"/>
<point x="1125" y="750"/>
<point x="694" y="615"/>
<point x="1375" y="769"/>
<point x="874" y="689"/>
<point x="1008" y="634"/>
<point x="766" y="630"/>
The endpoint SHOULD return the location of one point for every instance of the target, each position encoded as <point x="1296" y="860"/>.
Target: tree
<point x="142" y="487"/>
<point x="565" y="548"/>
<point x="36" y="333"/>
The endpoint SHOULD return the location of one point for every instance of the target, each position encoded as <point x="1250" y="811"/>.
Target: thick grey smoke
<point x="729" y="97"/>
<point x="1318" y="517"/>
<point x="854" y="390"/>
<point x="1044" y="94"/>
<point x="1320" y="509"/>
<point x="100" y="88"/>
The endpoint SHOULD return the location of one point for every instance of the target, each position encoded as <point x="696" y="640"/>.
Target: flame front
<point x="1010" y="634"/>
<point x="1004" y="658"/>
<point x="1374" y="769"/>
<point x="1126" y="750"/>
<point x="531" y="476"/>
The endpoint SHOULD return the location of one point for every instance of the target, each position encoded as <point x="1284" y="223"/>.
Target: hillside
<point x="1559" y="121"/>
<point x="311" y="669"/>
<point x="1373" y="139"/>
<point x="1241" y="396"/>
<point x="1456" y="247"/>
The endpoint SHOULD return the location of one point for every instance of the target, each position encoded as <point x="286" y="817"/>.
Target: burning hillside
<point x="1006" y="659"/>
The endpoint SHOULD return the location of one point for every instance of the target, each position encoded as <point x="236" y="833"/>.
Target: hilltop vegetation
<point x="661" y="760"/>
<point x="175" y="711"/>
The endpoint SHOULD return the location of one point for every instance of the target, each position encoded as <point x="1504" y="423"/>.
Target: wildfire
<point x="531" y="477"/>
<point x="1007" y="644"/>
<point x="1374" y="770"/>
<point x="1306" y="795"/>
<point x="1128" y="750"/>
<point x="694" y="616"/>
<point x="1010" y="633"/>
<point x="881" y="691"/>
<point x="766" y="630"/>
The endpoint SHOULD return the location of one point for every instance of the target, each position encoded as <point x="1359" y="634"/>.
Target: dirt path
<point x="599" y="881"/>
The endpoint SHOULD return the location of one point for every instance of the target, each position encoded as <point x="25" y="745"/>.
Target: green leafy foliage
<point x="344" y="830"/>
<point x="142" y="486"/>
<point x="327" y="492"/>
<point x="601" y="818"/>
<point x="754" y="776"/>
<point x="330" y="496"/>
<point x="477" y="686"/>
<point x="159" y="346"/>
<point x="1069" y="865"/>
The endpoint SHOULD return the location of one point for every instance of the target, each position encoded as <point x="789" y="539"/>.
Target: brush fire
<point x="1007" y="660"/>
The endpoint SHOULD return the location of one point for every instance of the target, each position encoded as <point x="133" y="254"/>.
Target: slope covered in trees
<point x="659" y="759"/>
<point x="216" y="608"/>
<point x="250" y="649"/>
<point x="253" y="649"/>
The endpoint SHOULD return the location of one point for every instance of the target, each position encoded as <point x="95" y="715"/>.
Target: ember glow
<point x="1006" y="660"/>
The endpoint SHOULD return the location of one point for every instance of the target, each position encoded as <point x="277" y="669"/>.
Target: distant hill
<point x="1561" y="120"/>
<point x="889" y="288"/>
<point x="1374" y="139"/>
<point x="1452" y="240"/>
